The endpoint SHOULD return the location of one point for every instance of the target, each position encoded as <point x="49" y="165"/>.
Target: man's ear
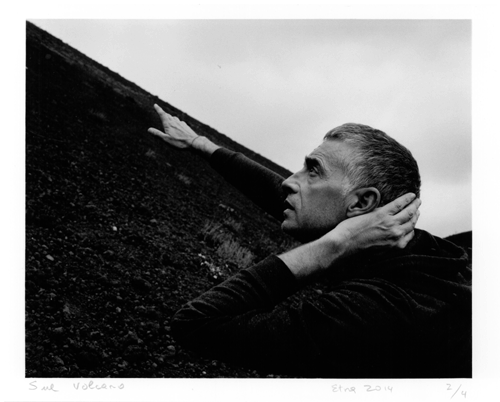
<point x="362" y="201"/>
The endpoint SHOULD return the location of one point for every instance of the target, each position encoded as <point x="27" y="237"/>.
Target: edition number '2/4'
<point x="450" y="388"/>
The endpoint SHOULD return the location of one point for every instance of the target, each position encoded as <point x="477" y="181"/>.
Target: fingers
<point x="160" y="111"/>
<point x="416" y="214"/>
<point x="154" y="131"/>
<point x="399" y="203"/>
<point x="164" y="116"/>
<point x="403" y="242"/>
<point x="408" y="225"/>
<point x="411" y="212"/>
<point x="404" y="222"/>
<point x="406" y="229"/>
<point x="167" y="119"/>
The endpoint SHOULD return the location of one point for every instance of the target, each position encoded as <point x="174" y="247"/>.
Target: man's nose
<point x="290" y="185"/>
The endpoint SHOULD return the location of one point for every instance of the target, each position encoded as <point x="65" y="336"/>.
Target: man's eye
<point x="312" y="170"/>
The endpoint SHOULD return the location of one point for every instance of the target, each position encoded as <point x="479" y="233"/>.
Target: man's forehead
<point x="330" y="153"/>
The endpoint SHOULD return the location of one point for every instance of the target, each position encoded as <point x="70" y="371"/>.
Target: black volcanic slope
<point x="121" y="229"/>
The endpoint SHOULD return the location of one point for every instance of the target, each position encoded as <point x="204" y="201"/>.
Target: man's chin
<point x="301" y="234"/>
<point x="288" y="227"/>
<point x="296" y="232"/>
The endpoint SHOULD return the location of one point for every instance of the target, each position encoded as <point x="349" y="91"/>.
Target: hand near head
<point x="389" y="226"/>
<point x="177" y="133"/>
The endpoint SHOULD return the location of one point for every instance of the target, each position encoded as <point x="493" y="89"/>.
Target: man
<point x="397" y="300"/>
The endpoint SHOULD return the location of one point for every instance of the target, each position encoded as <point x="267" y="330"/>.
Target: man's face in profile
<point x="316" y="199"/>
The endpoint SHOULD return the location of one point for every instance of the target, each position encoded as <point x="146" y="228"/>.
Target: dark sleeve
<point x="258" y="183"/>
<point x="243" y="320"/>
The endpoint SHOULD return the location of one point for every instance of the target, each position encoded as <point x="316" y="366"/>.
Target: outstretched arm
<point x="259" y="184"/>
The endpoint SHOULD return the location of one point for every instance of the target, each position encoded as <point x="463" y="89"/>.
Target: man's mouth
<point x="287" y="205"/>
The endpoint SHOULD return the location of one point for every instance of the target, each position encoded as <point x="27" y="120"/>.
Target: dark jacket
<point x="397" y="314"/>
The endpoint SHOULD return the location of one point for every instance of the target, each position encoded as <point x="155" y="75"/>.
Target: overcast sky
<point x="277" y="86"/>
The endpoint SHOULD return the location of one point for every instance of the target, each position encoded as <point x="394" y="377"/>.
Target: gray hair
<point x="379" y="161"/>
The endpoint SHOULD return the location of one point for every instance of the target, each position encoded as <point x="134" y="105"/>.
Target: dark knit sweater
<point x="398" y="314"/>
